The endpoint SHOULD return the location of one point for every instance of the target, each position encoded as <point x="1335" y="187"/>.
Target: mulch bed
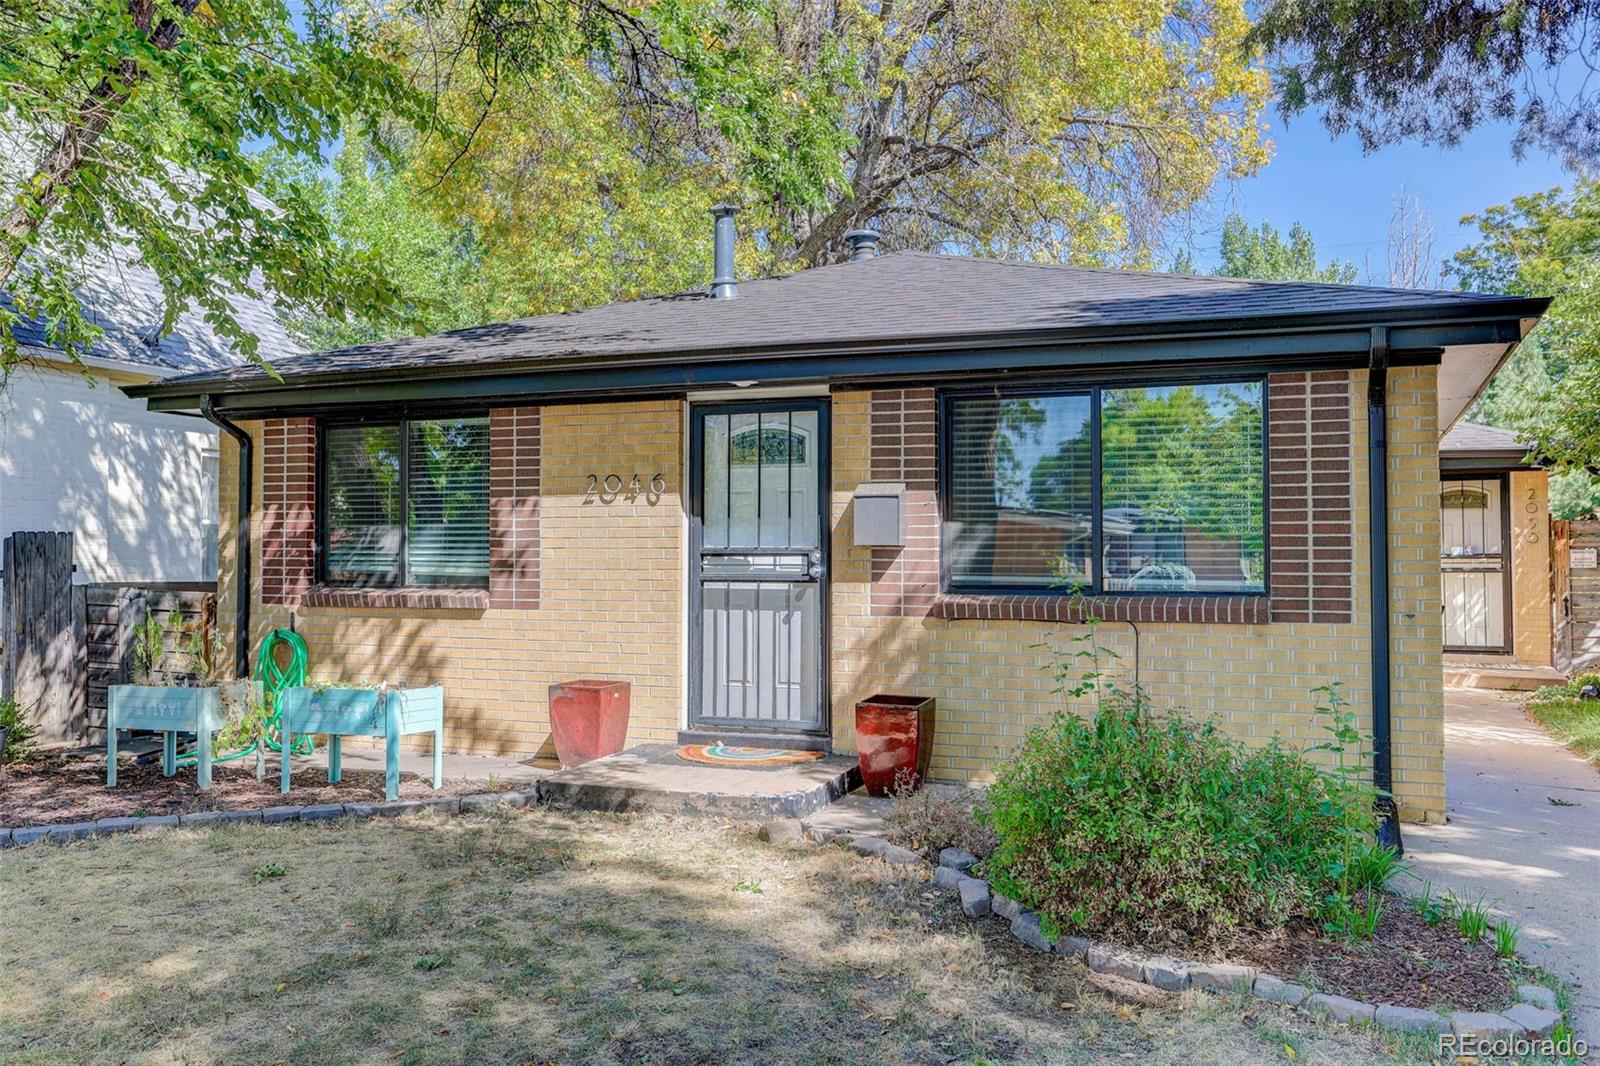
<point x="1407" y="962"/>
<point x="53" y="788"/>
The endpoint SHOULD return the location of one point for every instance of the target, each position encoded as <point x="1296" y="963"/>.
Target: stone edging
<point x="1534" y="1016"/>
<point x="314" y="812"/>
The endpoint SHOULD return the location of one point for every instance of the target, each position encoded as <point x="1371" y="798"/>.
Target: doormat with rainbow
<point x="720" y="754"/>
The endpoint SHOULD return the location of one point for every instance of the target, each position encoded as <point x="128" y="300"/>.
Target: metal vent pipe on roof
<point x="724" y="285"/>
<point x="863" y="243"/>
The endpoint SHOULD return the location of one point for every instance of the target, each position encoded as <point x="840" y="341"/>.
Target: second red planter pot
<point x="894" y="740"/>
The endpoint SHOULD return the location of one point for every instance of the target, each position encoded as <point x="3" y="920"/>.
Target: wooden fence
<point x="1585" y="595"/>
<point x="62" y="645"/>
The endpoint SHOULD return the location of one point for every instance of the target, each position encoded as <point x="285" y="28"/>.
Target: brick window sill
<point x="411" y="599"/>
<point x="1207" y="610"/>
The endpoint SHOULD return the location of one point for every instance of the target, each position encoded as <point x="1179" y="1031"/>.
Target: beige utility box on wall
<point x="880" y="519"/>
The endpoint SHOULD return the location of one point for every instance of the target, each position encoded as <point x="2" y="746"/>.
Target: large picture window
<point x="1150" y="489"/>
<point x="406" y="503"/>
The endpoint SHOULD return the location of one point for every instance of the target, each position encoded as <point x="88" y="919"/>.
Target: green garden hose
<point x="274" y="679"/>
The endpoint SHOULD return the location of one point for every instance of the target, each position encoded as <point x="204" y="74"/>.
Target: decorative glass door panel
<point x="759" y="566"/>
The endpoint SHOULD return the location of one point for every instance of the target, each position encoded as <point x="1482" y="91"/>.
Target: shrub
<point x="19" y="738"/>
<point x="1154" y="828"/>
<point x="930" y="819"/>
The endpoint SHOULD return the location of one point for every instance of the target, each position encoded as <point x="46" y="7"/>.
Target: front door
<point x="758" y="561"/>
<point x="1473" y="523"/>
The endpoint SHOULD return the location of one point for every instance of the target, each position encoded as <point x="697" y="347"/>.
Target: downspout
<point x="1378" y="548"/>
<point x="241" y="537"/>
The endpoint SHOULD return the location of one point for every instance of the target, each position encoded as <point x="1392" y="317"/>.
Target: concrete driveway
<point x="1536" y="862"/>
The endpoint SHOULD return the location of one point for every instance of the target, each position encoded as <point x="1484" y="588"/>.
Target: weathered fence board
<point x="1585" y="583"/>
<point x="63" y="645"/>
<point x="115" y="611"/>
<point x="1561" y="594"/>
<point x="42" y="662"/>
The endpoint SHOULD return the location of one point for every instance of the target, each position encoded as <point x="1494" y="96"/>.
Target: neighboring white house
<point x="138" y="488"/>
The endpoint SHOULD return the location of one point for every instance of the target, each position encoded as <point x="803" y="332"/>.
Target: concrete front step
<point x="651" y="777"/>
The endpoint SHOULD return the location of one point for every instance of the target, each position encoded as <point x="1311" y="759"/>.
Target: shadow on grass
<point x="534" y="936"/>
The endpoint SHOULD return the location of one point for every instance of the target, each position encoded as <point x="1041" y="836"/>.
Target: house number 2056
<point x="609" y="488"/>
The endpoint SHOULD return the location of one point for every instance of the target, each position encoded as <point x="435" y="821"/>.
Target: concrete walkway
<point x="1537" y="863"/>
<point x="486" y="768"/>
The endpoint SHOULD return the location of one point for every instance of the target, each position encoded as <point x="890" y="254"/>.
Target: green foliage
<point x="1143" y="827"/>
<point x="266" y="871"/>
<point x="1472" y="920"/>
<point x="150" y="131"/>
<point x="1434" y="70"/>
<point x="1358" y="864"/>
<point x="20" y="732"/>
<point x="149" y="650"/>
<point x="1264" y="253"/>
<point x="1374" y="866"/>
<point x="1505" y="939"/>
<point x="1570" y="718"/>
<point x="1547" y="244"/>
<point x="580" y="174"/>
<point x="1430" y="908"/>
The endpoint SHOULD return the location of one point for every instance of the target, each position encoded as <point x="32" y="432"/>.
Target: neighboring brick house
<point x="882" y="475"/>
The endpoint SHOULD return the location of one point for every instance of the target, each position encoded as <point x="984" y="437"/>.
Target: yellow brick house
<point x="762" y="502"/>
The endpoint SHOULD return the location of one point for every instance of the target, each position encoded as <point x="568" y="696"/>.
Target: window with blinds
<point x="407" y="503"/>
<point x="1020" y="501"/>
<point x="1181" y="490"/>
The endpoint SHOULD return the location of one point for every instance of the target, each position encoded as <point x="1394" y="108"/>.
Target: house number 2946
<point x="609" y="488"/>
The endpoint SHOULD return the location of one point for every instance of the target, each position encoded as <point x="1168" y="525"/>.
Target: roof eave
<point x="1471" y="322"/>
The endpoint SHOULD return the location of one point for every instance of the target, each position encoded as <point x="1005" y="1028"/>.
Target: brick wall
<point x="994" y="675"/>
<point x="1310" y="459"/>
<point x="1531" y="615"/>
<point x="1416" y="636"/>
<point x="612" y="603"/>
<point x="904" y="443"/>
<point x="514" y="508"/>
<point x="609" y="593"/>
<point x="1308" y="417"/>
<point x="288" y="456"/>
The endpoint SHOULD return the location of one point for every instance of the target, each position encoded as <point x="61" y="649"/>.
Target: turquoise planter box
<point x="356" y="712"/>
<point x="170" y="711"/>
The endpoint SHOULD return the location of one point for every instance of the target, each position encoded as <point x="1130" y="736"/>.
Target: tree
<point x="1052" y="130"/>
<point x="149" y="125"/>
<point x="187" y="133"/>
<point x="1410" y="247"/>
<point x="1263" y="253"/>
<point x="1434" y="70"/>
<point x="1064" y="130"/>
<point x="1547" y="244"/>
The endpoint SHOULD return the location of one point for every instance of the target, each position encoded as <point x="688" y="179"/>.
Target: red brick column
<point x="514" y="508"/>
<point x="1309" y="447"/>
<point x="288" y="509"/>
<point x="905" y="581"/>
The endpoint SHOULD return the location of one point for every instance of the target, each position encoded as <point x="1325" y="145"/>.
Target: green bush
<point x="19" y="741"/>
<point x="1154" y="828"/>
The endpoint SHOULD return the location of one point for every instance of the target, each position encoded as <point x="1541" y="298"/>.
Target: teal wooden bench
<point x="169" y="711"/>
<point x="362" y="712"/>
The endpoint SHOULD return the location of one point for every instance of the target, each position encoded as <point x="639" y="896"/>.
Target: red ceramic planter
<point x="894" y="738"/>
<point x="588" y="719"/>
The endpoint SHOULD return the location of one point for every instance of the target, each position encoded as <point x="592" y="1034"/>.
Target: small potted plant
<point x="894" y="740"/>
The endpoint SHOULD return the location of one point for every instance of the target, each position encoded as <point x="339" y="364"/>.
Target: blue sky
<point x="1345" y="198"/>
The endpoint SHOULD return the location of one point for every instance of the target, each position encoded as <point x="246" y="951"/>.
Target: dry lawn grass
<point x="545" y="937"/>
